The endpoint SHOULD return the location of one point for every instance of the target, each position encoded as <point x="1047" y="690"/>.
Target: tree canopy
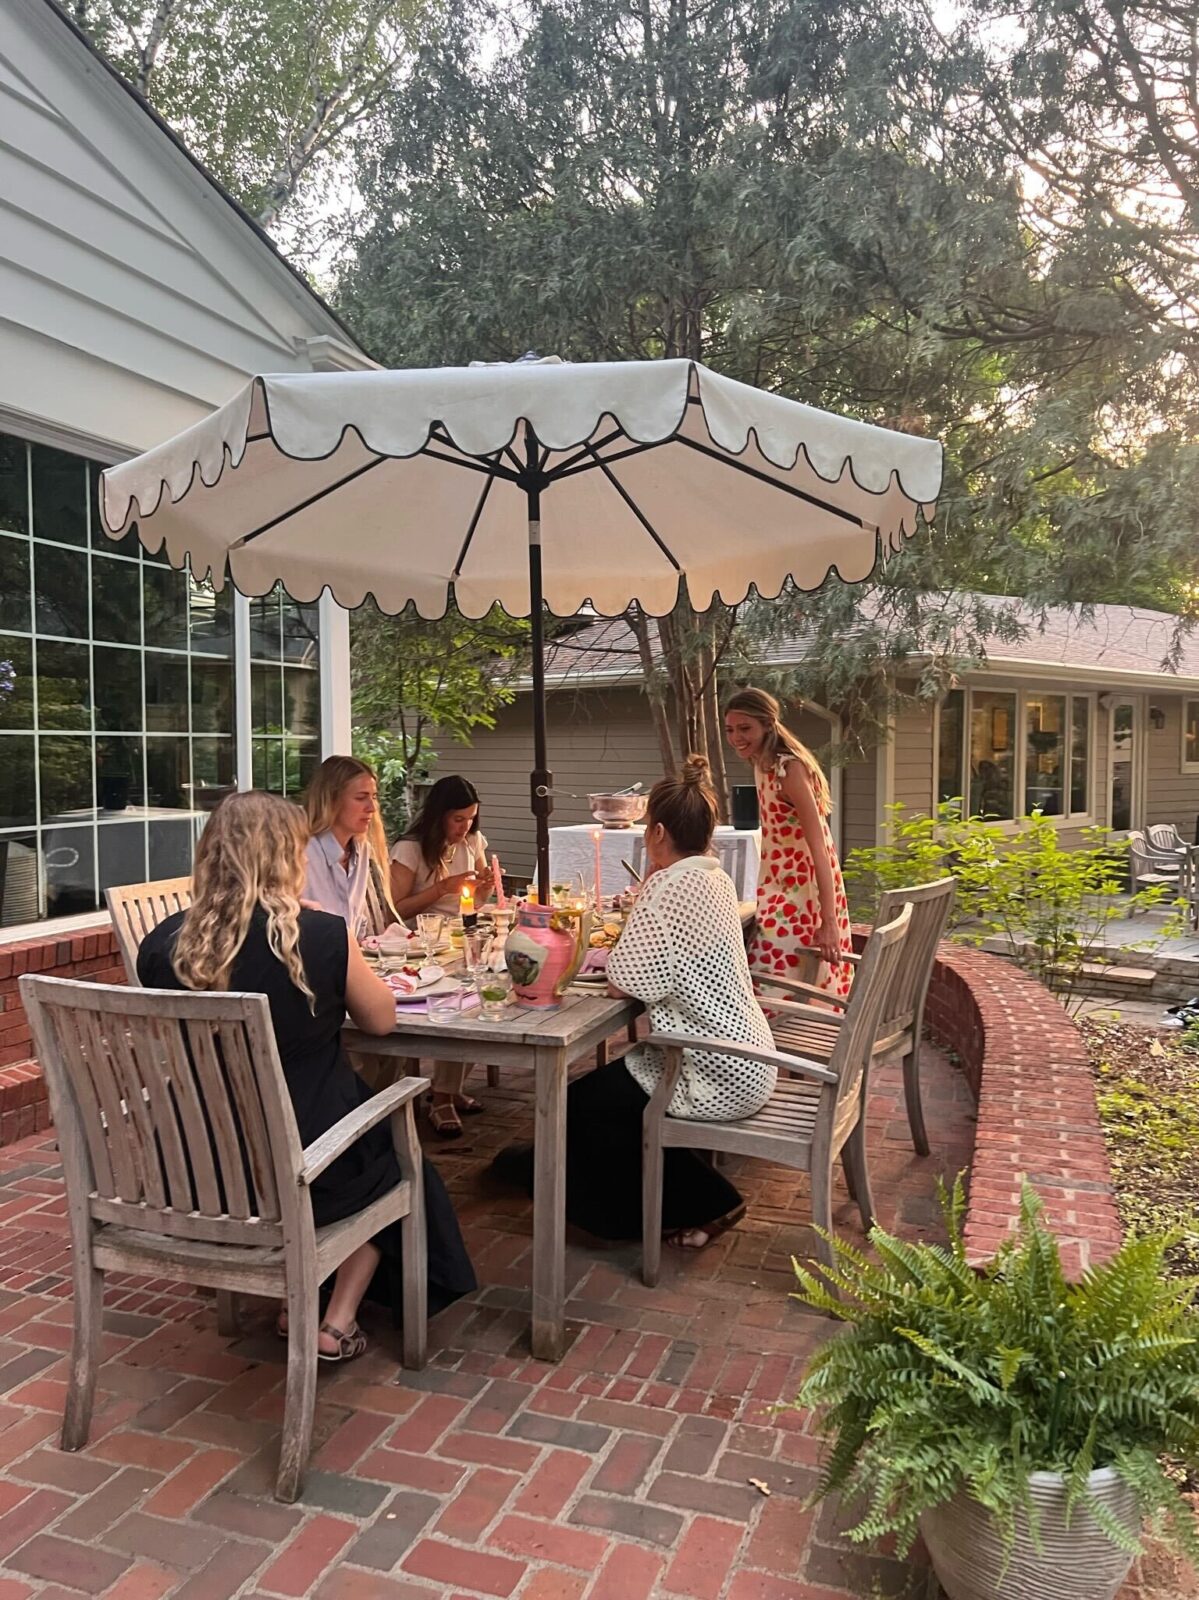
<point x="988" y="234"/>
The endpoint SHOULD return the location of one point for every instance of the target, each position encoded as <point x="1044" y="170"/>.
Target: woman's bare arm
<point x="369" y="1001"/>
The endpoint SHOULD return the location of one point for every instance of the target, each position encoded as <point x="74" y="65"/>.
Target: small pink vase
<point x="543" y="952"/>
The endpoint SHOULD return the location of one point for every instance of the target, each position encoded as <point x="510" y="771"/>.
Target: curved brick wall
<point x="1026" y="1063"/>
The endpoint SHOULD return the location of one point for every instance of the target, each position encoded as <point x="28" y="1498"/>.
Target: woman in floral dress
<point x="801" y="894"/>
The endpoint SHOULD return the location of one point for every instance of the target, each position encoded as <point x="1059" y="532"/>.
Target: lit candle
<point x="597" y="835"/>
<point x="500" y="903"/>
<point x="466" y="905"/>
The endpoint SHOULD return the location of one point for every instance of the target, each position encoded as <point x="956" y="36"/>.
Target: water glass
<point x="429" y="926"/>
<point x="495" y="991"/>
<point x="444" y="1005"/>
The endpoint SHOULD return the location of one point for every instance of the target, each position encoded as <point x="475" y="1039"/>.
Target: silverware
<point x="632" y="871"/>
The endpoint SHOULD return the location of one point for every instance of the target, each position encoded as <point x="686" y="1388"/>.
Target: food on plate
<point x="605" y="937"/>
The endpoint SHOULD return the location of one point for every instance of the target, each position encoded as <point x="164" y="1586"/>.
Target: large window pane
<point x="1045" y="754"/>
<point x="61" y="586"/>
<point x="69" y="865"/>
<point x="1190" y="714"/>
<point x="16" y="682"/>
<point x="266" y="640"/>
<point x="60" y="489"/>
<point x="117" y="601"/>
<point x="1123" y="734"/>
<point x="211" y="619"/>
<point x="170" y="849"/>
<point x="266" y="699"/>
<point x="64" y="691"/>
<point x="1080" y="757"/>
<point x="18" y="879"/>
<point x="301" y="631"/>
<point x="119" y="781"/>
<point x="949" y="747"/>
<point x="16" y="611"/>
<point x="122" y="848"/>
<point x="118" y="676"/>
<point x="168" y="773"/>
<point x="301" y="701"/>
<point x="18" y="788"/>
<point x="166" y="693"/>
<point x="212" y="696"/>
<point x="268" y="765"/>
<point x="301" y="757"/>
<point x="14" y="486"/>
<point x="212" y="771"/>
<point x="166" y="602"/>
<point x="65" y="771"/>
<point x="992" y="753"/>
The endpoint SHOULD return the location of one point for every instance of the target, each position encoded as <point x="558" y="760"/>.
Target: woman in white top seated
<point x="342" y="806"/>
<point x="442" y="852"/>
<point x="683" y="954"/>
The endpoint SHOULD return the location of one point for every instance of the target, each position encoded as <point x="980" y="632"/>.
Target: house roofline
<point x="298" y="280"/>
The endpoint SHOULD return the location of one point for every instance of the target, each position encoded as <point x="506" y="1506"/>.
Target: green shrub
<point x="950" y="1378"/>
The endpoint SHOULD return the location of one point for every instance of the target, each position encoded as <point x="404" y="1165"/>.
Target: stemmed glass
<point x="429" y="926"/>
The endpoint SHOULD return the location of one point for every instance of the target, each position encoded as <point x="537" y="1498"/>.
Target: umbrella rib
<point x="564" y="468"/>
<point x="474" y="523"/>
<point x="764" y="477"/>
<point x="572" y="469"/>
<point x="636" y="510"/>
<point x="471" y="464"/>
<point x="312" y="500"/>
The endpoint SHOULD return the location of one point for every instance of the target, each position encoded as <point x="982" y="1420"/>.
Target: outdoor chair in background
<point x="733" y="855"/>
<point x="182" y="1160"/>
<point x="1165" y="836"/>
<point x="804" y="1125"/>
<point x="1150" y="867"/>
<point x="137" y="908"/>
<point x="901" y="1028"/>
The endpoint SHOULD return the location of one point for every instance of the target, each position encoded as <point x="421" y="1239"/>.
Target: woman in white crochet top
<point x="683" y="955"/>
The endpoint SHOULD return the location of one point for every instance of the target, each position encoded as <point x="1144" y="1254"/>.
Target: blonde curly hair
<point x="251" y="854"/>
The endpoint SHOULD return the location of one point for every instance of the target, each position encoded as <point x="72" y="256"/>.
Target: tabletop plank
<point x="560" y="1026"/>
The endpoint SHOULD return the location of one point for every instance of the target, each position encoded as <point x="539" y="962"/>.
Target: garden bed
<point x="1147" y="1086"/>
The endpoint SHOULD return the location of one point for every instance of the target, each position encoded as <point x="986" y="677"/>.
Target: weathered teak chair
<point x="137" y="908"/>
<point x="1149" y="867"/>
<point x="801" y="1126"/>
<point x="182" y="1160"/>
<point x="900" y="1033"/>
<point x="380" y="913"/>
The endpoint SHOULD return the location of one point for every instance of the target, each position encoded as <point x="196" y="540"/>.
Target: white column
<point x="336" y="727"/>
<point x="242" y="721"/>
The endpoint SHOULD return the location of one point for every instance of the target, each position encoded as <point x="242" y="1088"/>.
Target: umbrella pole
<point x="541" y="779"/>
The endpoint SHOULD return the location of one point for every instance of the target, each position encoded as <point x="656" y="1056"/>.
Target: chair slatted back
<point x="884" y="951"/>
<point x="379" y="911"/>
<point x="1165" y="836"/>
<point x="172" y="1108"/>
<point x="931" y="904"/>
<point x="733" y="855"/>
<point x="137" y="908"/>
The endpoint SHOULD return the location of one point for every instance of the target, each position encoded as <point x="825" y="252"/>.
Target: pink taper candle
<point x="501" y="903"/>
<point x="597" y="835"/>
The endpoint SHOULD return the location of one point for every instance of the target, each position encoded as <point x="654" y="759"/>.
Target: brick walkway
<point x="623" y="1473"/>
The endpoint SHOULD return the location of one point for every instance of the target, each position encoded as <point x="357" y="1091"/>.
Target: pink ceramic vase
<point x="543" y="951"/>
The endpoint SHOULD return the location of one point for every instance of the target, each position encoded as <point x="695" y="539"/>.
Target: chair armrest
<point x="845" y="955"/>
<point x="796" y="1008"/>
<point x="744" y="1052"/>
<point x="335" y="1141"/>
<point x="794" y="986"/>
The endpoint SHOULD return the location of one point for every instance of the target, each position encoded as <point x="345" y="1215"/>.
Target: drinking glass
<point x="494" y="990"/>
<point x="476" y="948"/>
<point x="445" y="1005"/>
<point x="429" y="925"/>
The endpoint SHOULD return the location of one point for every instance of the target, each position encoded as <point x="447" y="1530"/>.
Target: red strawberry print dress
<point x="788" y="898"/>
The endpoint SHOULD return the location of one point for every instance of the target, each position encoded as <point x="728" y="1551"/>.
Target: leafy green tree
<point x="837" y="202"/>
<point x="266" y="94"/>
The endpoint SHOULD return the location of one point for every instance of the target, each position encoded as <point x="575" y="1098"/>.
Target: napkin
<point x="402" y="982"/>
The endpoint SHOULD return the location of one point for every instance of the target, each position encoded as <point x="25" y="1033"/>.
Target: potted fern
<point x="1026" y="1426"/>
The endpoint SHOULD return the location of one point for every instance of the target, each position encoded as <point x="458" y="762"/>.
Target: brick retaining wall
<point x="89" y="953"/>
<point x="1026" y="1063"/>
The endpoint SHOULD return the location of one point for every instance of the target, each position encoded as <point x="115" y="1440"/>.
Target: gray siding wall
<point x="913" y="739"/>
<point x="1171" y="795"/>
<point x="858" y="816"/>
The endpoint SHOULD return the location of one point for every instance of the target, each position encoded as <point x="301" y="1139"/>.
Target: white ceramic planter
<point x="1078" y="1562"/>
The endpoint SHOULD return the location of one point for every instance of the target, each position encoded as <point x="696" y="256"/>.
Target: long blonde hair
<point x="251" y="854"/>
<point x="780" y="741"/>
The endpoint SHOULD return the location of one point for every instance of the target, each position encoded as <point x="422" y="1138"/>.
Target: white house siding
<point x="133" y="297"/>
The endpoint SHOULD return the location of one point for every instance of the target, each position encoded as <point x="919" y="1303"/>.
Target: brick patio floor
<point x="623" y="1473"/>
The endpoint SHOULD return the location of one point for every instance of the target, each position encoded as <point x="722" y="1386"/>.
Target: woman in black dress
<point x="246" y="931"/>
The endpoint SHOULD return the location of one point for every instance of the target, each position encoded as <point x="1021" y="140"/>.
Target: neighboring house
<point x="135" y="296"/>
<point x="1078" y="720"/>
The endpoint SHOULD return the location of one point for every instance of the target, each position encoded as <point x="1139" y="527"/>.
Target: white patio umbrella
<point x="550" y="481"/>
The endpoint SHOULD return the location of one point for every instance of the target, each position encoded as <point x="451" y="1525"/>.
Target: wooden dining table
<point x="548" y="1040"/>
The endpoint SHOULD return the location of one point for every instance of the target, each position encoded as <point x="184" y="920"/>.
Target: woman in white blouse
<point x="682" y="953"/>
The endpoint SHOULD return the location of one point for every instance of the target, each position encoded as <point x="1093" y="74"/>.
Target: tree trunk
<point x="715" y="732"/>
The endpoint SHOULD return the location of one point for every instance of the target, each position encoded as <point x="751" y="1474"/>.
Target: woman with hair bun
<point x="683" y="955"/>
<point x="801" y="894"/>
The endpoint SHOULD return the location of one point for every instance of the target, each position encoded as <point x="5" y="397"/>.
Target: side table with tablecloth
<point x="572" y="856"/>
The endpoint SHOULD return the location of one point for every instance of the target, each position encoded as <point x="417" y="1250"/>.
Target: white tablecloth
<point x="572" y="853"/>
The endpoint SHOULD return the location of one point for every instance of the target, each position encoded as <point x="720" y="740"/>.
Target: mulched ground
<point x="1148" y="1089"/>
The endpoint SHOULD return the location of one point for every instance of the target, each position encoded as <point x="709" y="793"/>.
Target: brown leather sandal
<point x="350" y="1344"/>
<point x="467" y="1106"/>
